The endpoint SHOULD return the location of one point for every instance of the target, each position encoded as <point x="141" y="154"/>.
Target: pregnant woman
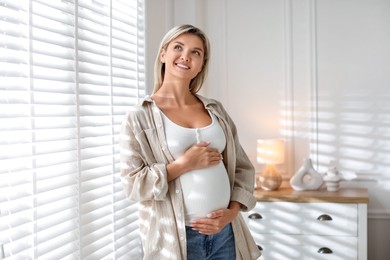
<point x="182" y="161"/>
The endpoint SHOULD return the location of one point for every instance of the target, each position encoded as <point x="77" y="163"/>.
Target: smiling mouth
<point x="182" y="66"/>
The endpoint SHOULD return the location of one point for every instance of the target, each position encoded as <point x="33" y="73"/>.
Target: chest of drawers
<point x="288" y="224"/>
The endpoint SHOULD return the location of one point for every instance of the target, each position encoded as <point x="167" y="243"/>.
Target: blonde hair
<point x="159" y="67"/>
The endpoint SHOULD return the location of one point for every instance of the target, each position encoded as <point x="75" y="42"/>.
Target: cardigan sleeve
<point x="142" y="177"/>
<point x="244" y="171"/>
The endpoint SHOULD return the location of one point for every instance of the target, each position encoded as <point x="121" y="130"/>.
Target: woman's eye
<point x="177" y="47"/>
<point x="196" y="53"/>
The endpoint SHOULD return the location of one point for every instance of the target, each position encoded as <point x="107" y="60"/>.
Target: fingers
<point x="202" y="156"/>
<point x="207" y="228"/>
<point x="206" y="149"/>
<point x="213" y="223"/>
<point x="203" y="144"/>
<point x="206" y="144"/>
<point x="214" y="157"/>
<point x="216" y="214"/>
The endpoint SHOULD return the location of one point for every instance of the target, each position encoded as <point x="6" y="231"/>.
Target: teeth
<point x="182" y="66"/>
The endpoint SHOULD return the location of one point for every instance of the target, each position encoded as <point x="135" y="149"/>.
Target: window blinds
<point x="69" y="71"/>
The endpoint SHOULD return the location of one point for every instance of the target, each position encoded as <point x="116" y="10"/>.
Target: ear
<point x="162" y="56"/>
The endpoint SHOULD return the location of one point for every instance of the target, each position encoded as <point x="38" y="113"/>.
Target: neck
<point x="175" y="93"/>
<point x="172" y="99"/>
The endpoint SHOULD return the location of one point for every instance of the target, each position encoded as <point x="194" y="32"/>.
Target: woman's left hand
<point x="216" y="220"/>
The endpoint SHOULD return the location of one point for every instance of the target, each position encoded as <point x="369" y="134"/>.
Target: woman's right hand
<point x="198" y="156"/>
<point x="201" y="156"/>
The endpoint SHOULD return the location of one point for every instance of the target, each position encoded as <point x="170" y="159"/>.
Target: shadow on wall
<point x="352" y="132"/>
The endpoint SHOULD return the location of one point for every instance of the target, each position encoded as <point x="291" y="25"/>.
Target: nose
<point x="185" y="57"/>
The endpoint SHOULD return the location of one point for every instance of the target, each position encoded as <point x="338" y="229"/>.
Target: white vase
<point x="306" y="178"/>
<point x="332" y="179"/>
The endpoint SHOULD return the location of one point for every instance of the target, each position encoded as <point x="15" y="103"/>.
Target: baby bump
<point x="204" y="191"/>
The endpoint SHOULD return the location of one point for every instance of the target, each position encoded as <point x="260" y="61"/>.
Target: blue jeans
<point x="219" y="246"/>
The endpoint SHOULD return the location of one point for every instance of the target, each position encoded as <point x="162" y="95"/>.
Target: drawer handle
<point x="325" y="250"/>
<point x="324" y="217"/>
<point x="255" y="216"/>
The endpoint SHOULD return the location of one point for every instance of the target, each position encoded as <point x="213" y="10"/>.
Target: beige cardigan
<point x="144" y="154"/>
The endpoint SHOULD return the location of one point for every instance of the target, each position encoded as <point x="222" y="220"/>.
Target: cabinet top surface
<point x="288" y="194"/>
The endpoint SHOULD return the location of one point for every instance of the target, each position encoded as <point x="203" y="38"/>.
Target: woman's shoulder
<point x="216" y="107"/>
<point x="209" y="101"/>
<point x="140" y="110"/>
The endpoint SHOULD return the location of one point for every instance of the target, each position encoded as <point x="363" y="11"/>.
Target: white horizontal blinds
<point x="55" y="122"/>
<point x="128" y="77"/>
<point x="69" y="70"/>
<point x="109" y="53"/>
<point x="96" y="141"/>
<point x="16" y="140"/>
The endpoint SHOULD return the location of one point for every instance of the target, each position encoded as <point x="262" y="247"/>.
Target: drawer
<point x="303" y="218"/>
<point x="280" y="246"/>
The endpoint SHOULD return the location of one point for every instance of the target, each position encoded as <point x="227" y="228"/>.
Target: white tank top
<point x="204" y="190"/>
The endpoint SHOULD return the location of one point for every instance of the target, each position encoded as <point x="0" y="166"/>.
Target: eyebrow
<point x="196" y="48"/>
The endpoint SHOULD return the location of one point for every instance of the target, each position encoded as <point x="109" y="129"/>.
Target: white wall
<point x="315" y="72"/>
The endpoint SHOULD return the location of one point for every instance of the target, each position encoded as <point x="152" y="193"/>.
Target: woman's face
<point x="183" y="57"/>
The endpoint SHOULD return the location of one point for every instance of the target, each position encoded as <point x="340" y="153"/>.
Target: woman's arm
<point x="143" y="178"/>
<point x="244" y="171"/>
